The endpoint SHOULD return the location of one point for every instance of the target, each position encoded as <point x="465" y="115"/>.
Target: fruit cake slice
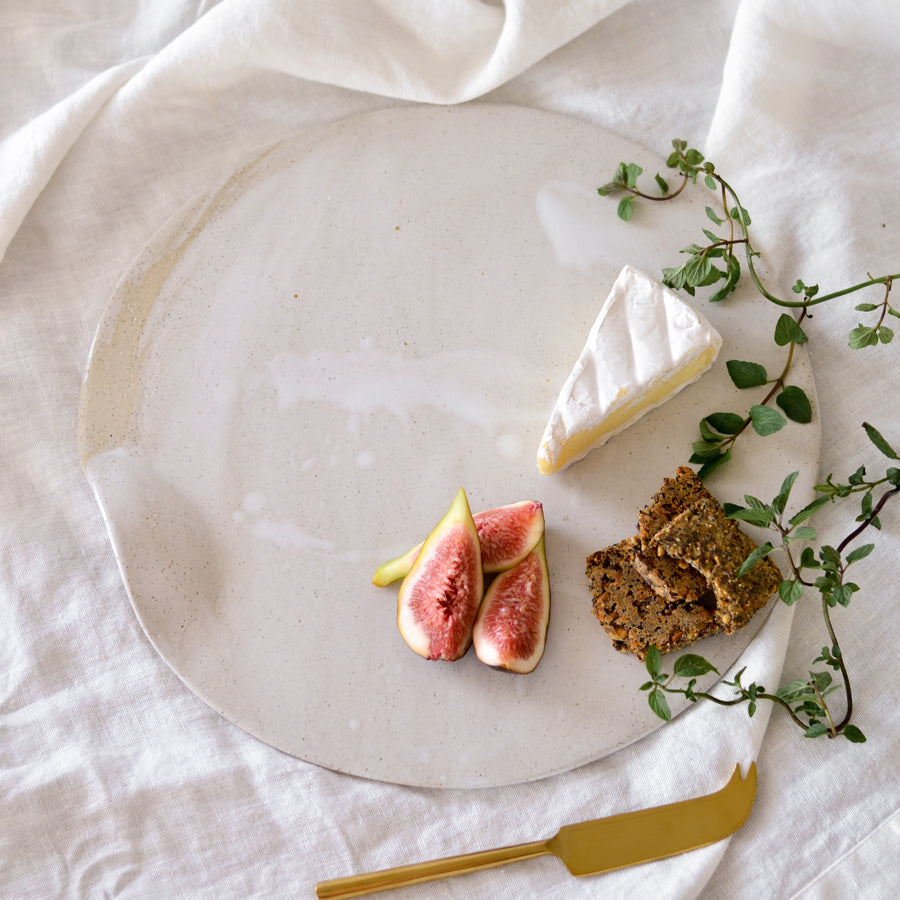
<point x="715" y="546"/>
<point x="633" y="614"/>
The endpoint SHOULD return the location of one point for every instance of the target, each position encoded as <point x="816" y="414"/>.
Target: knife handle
<point x="355" y="885"/>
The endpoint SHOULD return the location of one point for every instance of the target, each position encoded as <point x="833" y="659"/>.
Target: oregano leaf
<point x="725" y="423"/>
<point x="757" y="554"/>
<point x="625" y="208"/>
<point x="859" y="553"/>
<point x="863" y="336"/>
<point x="659" y="705"/>
<point x="787" y="330"/>
<point x="653" y="661"/>
<point x="746" y="374"/>
<point x="790" y="591"/>
<point x="754" y="516"/>
<point x="765" y="420"/>
<point x="692" y="666"/>
<point x="795" y="404"/>
<point x="878" y="440"/>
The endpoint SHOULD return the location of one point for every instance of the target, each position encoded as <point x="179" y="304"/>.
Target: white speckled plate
<point x="295" y="376"/>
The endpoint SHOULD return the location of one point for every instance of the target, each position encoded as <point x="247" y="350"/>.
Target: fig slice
<point x="440" y="595"/>
<point x="507" y="534"/>
<point x="511" y="628"/>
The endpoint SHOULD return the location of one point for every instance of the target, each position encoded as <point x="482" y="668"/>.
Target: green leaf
<point x="746" y="374"/>
<point x="780" y="502"/>
<point x="756" y="555"/>
<point x="725" y="423"/>
<point x="790" y="592"/>
<point x="693" y="157"/>
<point x="691" y="666"/>
<point x="878" y="440"/>
<point x="804" y="533"/>
<point x="795" y="404"/>
<point x="625" y="208"/>
<point x="711" y="465"/>
<point x="609" y="188"/>
<point x="661" y="183"/>
<point x="817" y="729"/>
<point x="852" y="733"/>
<point x="843" y="594"/>
<point x="866" y="307"/>
<point x="653" y="662"/>
<point x="704" y="453"/>
<point x="632" y="173"/>
<point x="793" y="690"/>
<point x="733" y="274"/>
<point x="859" y="553"/>
<point x="761" y="517"/>
<point x="787" y="330"/>
<point x="659" y="705"/>
<point x="808" y="559"/>
<point x="740" y="215"/>
<point x="707" y="433"/>
<point x="809" y="510"/>
<point x="885" y="335"/>
<point x="765" y="420"/>
<point x="697" y="269"/>
<point x="863" y="336"/>
<point x="711" y="214"/>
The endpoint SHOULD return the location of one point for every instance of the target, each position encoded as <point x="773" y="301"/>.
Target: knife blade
<point x="587" y="848"/>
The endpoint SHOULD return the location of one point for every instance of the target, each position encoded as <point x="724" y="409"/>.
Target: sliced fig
<point x="511" y="629"/>
<point x="440" y="596"/>
<point x="507" y="534"/>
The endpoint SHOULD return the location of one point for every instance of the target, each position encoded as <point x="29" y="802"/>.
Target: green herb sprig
<point x="717" y="263"/>
<point x="824" y="569"/>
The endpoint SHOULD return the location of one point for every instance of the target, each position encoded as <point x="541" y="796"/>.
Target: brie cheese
<point x="645" y="346"/>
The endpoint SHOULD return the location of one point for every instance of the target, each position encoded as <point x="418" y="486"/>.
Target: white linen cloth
<point x="115" y="779"/>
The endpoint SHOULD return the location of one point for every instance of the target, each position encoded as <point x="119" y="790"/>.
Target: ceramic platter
<point x="293" y="379"/>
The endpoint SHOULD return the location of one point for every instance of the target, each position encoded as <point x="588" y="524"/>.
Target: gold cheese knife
<point x="587" y="848"/>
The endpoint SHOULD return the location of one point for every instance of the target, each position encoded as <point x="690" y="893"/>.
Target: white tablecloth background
<point x="115" y="780"/>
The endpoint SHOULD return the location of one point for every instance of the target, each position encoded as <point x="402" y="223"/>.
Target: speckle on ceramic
<point x="295" y="376"/>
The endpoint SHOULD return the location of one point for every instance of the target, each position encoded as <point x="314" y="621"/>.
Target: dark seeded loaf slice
<point x="672" y="499"/>
<point x="715" y="546"/>
<point x="633" y="614"/>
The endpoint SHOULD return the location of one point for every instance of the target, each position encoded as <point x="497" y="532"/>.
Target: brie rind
<point x="645" y="346"/>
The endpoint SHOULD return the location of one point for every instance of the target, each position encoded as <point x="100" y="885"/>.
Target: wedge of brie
<point x="645" y="346"/>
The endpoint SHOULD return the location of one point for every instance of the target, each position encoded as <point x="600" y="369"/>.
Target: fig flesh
<point x="511" y="629"/>
<point x="440" y="596"/>
<point x="507" y="535"/>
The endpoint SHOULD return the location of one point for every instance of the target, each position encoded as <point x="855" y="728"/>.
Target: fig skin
<point x="511" y="628"/>
<point x="440" y="596"/>
<point x="507" y="534"/>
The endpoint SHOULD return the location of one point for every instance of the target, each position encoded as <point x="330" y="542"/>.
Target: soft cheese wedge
<point x="645" y="346"/>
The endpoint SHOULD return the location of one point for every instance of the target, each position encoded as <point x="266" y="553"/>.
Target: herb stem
<point x="741" y="698"/>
